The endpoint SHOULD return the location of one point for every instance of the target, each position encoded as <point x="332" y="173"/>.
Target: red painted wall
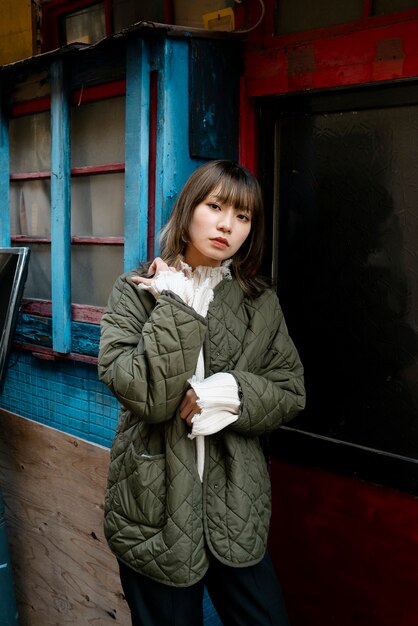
<point x="371" y="50"/>
<point x="346" y="551"/>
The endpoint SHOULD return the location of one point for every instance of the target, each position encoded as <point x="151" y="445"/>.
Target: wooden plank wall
<point x="53" y="486"/>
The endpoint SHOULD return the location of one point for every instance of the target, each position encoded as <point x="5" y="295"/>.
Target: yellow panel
<point x="17" y="30"/>
<point x="219" y="20"/>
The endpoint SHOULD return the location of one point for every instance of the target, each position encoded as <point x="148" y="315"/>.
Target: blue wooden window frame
<point x="170" y="60"/>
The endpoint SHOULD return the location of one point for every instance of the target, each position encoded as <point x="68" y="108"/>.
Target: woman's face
<point x="216" y="232"/>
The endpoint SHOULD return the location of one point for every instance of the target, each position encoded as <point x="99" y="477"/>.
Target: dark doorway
<point x="340" y="171"/>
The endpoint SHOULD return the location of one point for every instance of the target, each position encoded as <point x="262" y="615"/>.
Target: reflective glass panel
<point x="30" y="143"/>
<point x="30" y="208"/>
<point x="85" y="26"/>
<point x="97" y="205"/>
<point x="94" y="269"/>
<point x="128" y="12"/>
<point x="348" y="269"/>
<point x="38" y="284"/>
<point x="98" y="133"/>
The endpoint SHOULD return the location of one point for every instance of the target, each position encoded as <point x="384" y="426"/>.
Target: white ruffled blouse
<point x="218" y="396"/>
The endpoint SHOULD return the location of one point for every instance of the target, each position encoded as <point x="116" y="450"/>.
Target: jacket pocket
<point x="145" y="497"/>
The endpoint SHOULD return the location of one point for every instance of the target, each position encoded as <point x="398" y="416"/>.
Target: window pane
<point x="98" y="133"/>
<point x="390" y="6"/>
<point x="30" y="143"/>
<point x="94" y="269"/>
<point x="127" y="12"/>
<point x="348" y="231"/>
<point x="301" y="15"/>
<point x="85" y="26"/>
<point x="97" y="205"/>
<point x="38" y="283"/>
<point x="30" y="208"/>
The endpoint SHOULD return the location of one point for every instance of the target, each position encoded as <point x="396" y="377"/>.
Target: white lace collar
<point x="204" y="271"/>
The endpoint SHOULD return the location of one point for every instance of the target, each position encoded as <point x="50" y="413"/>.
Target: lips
<point x="220" y="241"/>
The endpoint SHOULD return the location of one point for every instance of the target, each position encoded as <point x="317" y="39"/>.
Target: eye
<point x="213" y="205"/>
<point x="244" y="217"/>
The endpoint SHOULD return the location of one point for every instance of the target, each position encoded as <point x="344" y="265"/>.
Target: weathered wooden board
<point x="53" y="486"/>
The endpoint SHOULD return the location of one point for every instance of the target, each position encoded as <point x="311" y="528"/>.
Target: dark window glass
<point x="84" y="26"/>
<point x="301" y="15"/>
<point x="347" y="270"/>
<point x="380" y="7"/>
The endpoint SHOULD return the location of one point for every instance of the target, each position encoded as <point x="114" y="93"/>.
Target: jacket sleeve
<point x="148" y="349"/>
<point x="276" y="392"/>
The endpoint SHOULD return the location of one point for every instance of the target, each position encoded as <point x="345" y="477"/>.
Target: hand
<point x="156" y="267"/>
<point x="189" y="407"/>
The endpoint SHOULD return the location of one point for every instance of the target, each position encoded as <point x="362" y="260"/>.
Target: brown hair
<point x="234" y="185"/>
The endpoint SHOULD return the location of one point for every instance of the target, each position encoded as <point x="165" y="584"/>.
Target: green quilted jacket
<point x="160" y="519"/>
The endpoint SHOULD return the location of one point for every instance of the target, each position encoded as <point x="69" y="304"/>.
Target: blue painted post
<point x="174" y="164"/>
<point x="4" y="179"/>
<point x="136" y="152"/>
<point x="60" y="211"/>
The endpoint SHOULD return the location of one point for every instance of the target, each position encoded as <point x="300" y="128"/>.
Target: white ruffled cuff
<point x="219" y="400"/>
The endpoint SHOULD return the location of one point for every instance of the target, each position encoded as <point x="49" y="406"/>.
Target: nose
<point x="225" y="222"/>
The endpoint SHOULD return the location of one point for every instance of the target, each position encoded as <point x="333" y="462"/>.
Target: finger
<point x="151" y="268"/>
<point x="184" y="402"/>
<point x="191" y="417"/>
<point x="139" y="279"/>
<point x="160" y="265"/>
<point x="191" y="395"/>
<point x="188" y="398"/>
<point x="188" y="410"/>
<point x="155" y="264"/>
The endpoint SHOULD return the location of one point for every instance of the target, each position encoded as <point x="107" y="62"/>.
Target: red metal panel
<point x="30" y="175"/>
<point x="247" y="130"/>
<point x="79" y="312"/>
<point x="367" y="51"/>
<point x="102" y="241"/>
<point x="78" y="97"/>
<point x="37" y="105"/>
<point x="98" y="92"/>
<point x="345" y="550"/>
<point x="88" y="170"/>
<point x="46" y="354"/>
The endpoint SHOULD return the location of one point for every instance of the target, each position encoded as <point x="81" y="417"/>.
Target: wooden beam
<point x="53" y="486"/>
<point x="173" y="163"/>
<point x="136" y="153"/>
<point x="60" y="211"/>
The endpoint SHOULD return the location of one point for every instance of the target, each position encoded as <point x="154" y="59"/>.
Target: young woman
<point x="196" y="349"/>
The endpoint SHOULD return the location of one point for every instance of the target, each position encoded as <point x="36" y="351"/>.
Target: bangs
<point x="237" y="193"/>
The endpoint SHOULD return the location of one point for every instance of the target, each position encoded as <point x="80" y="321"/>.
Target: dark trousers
<point x="248" y="596"/>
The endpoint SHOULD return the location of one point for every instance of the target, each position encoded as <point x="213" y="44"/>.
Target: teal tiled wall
<point x="64" y="395"/>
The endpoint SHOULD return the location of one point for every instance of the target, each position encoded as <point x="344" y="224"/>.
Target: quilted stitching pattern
<point x="158" y="514"/>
